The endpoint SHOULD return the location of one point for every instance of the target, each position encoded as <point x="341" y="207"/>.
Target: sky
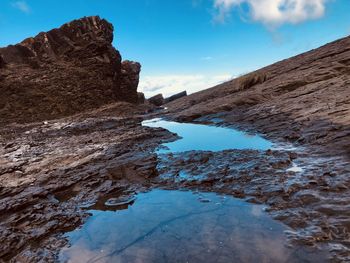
<point x="191" y="44"/>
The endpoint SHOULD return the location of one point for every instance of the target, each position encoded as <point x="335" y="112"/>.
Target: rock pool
<point x="207" y="138"/>
<point x="182" y="226"/>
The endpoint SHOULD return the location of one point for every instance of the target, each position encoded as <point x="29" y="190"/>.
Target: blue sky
<point x="191" y="44"/>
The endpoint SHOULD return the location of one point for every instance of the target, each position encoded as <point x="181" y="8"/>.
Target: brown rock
<point x="140" y="98"/>
<point x="176" y="96"/>
<point x="65" y="71"/>
<point x="2" y="62"/>
<point x="304" y="99"/>
<point x="130" y="80"/>
<point x="157" y="100"/>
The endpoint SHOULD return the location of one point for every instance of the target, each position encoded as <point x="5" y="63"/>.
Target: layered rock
<point x="64" y="71"/>
<point x="305" y="99"/>
<point x="176" y="96"/>
<point x="157" y="100"/>
<point x="130" y="76"/>
<point x="2" y="62"/>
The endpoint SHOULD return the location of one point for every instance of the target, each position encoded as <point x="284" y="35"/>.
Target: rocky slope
<point x="52" y="171"/>
<point x="304" y="99"/>
<point x="64" y="71"/>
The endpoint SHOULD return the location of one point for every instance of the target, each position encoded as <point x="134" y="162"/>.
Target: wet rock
<point x="9" y="145"/>
<point x="307" y="197"/>
<point x="70" y="163"/>
<point x="278" y="102"/>
<point x="121" y="200"/>
<point x="293" y="155"/>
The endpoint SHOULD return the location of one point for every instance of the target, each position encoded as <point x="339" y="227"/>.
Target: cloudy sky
<point x="191" y="44"/>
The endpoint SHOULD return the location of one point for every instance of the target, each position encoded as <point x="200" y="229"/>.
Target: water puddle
<point x="178" y="226"/>
<point x="207" y="138"/>
<point x="184" y="226"/>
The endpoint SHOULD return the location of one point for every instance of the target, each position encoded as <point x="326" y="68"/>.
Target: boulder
<point x="65" y="71"/>
<point x="176" y="96"/>
<point x="157" y="100"/>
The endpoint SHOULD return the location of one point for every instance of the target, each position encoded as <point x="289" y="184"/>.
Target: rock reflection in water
<point x="207" y="138"/>
<point x="178" y="226"/>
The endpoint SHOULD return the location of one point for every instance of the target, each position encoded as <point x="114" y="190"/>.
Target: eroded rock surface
<point x="50" y="171"/>
<point x="313" y="202"/>
<point x="157" y="100"/>
<point x="64" y="71"/>
<point x="304" y="99"/>
<point x="130" y="81"/>
<point x="176" y="96"/>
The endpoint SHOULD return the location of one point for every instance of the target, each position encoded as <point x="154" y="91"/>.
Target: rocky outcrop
<point x="141" y="98"/>
<point x="130" y="76"/>
<point x="2" y="62"/>
<point x="64" y="71"/>
<point x="305" y="99"/>
<point x="176" y="96"/>
<point x="157" y="100"/>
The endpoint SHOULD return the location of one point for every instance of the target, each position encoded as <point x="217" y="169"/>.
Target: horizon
<point x="191" y="45"/>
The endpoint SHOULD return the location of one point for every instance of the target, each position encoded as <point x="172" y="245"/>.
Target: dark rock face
<point x="141" y="98"/>
<point x="176" y="96"/>
<point x="2" y="62"/>
<point x="64" y="71"/>
<point x="130" y="76"/>
<point x="157" y="100"/>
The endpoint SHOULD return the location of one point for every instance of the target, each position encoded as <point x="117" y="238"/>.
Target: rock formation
<point x="157" y="100"/>
<point x="64" y="71"/>
<point x="176" y="96"/>
<point x="141" y="98"/>
<point x="2" y="62"/>
<point x="305" y="99"/>
<point x="130" y="80"/>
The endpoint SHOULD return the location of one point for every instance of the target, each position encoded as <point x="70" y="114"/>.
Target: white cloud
<point x="22" y="6"/>
<point x="172" y="84"/>
<point x="273" y="13"/>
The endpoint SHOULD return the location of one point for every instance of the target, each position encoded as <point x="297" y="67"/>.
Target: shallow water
<point x="178" y="226"/>
<point x="207" y="138"/>
<point x="184" y="226"/>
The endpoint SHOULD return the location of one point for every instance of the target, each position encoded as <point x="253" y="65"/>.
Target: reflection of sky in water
<point x="207" y="138"/>
<point x="176" y="226"/>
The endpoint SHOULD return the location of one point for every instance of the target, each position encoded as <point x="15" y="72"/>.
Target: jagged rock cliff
<point x="64" y="71"/>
